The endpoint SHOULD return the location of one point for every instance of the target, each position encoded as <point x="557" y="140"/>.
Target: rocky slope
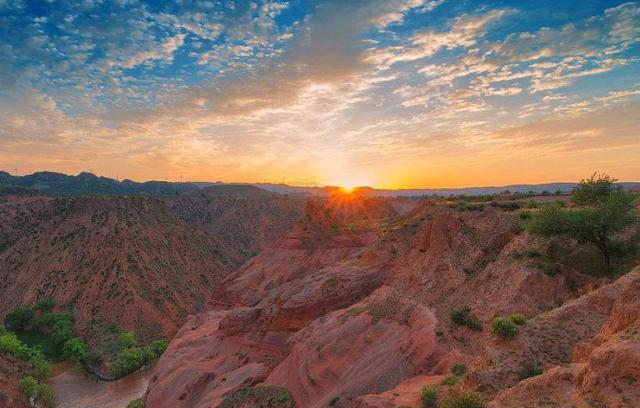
<point x="352" y="309"/>
<point x="141" y="263"/>
<point x="124" y="261"/>
<point x="249" y="219"/>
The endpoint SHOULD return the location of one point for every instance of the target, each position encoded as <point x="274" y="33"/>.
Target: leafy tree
<point x="75" y="349"/>
<point x="605" y="211"/>
<point x="45" y="305"/>
<point x="61" y="332"/>
<point x="127" y="339"/>
<point x="19" y="320"/>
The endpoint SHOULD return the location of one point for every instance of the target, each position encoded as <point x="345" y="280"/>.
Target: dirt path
<point x="77" y="391"/>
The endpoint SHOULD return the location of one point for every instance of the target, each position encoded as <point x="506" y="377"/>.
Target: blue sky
<point x="393" y="93"/>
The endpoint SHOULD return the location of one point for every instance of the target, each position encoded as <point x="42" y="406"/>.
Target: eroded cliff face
<point x="355" y="312"/>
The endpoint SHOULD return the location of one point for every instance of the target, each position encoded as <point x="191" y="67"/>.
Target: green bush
<point x="159" y="346"/>
<point x="429" y="397"/>
<point x="9" y="343"/>
<point x="450" y="381"/>
<point x="530" y="370"/>
<point x="463" y="317"/>
<point x="28" y="386"/>
<point x="136" y="403"/>
<point x="526" y="253"/>
<point x="45" y="305"/>
<point x="128" y="361"/>
<point x="518" y="318"/>
<point x="46" y="396"/>
<point x="75" y="349"/>
<point x="458" y="369"/>
<point x="504" y="327"/>
<point x="464" y="400"/>
<point x="127" y="339"/>
<point x="41" y="367"/>
<point x="19" y="319"/>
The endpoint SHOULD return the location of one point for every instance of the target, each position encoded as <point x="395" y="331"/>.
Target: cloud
<point x="162" y="52"/>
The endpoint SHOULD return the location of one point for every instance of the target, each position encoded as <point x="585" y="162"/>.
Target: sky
<point x="387" y="93"/>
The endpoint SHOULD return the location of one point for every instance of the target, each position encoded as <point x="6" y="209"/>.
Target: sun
<point x="350" y="184"/>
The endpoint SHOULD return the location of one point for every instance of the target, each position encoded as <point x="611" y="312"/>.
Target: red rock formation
<point x="608" y="375"/>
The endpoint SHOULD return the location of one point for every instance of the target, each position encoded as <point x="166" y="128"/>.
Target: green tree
<point x="75" y="349"/>
<point x="45" y="305"/>
<point x="61" y="332"/>
<point x="19" y="319"/>
<point x="605" y="210"/>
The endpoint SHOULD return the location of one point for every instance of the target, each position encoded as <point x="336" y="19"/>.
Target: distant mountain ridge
<point x="86" y="183"/>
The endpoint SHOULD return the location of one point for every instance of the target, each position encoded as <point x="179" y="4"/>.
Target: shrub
<point x="518" y="318"/>
<point x="41" y="367"/>
<point x="450" y="381"/>
<point x="127" y="339"/>
<point x="530" y="370"/>
<point x="46" y="396"/>
<point x="429" y="397"/>
<point x="19" y="319"/>
<point x="526" y="253"/>
<point x="9" y="343"/>
<point x="458" y="369"/>
<point x="28" y="386"/>
<point x="136" y="403"/>
<point x="459" y="316"/>
<point x="334" y="401"/>
<point x="525" y="215"/>
<point x="464" y="400"/>
<point x="547" y="269"/>
<point x="128" y="361"/>
<point x="75" y="349"/>
<point x="463" y="317"/>
<point x="159" y="346"/>
<point x="45" y="305"/>
<point x="504" y="327"/>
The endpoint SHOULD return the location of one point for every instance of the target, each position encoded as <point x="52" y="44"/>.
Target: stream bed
<point x="75" y="390"/>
